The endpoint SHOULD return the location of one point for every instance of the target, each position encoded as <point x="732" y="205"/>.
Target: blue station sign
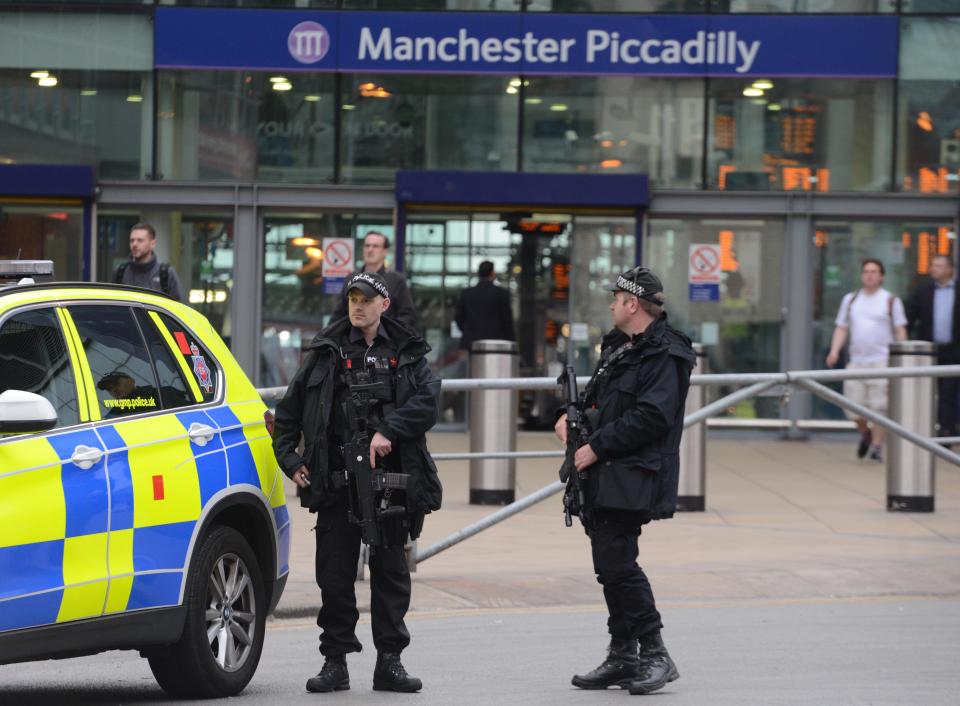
<point x="527" y="43"/>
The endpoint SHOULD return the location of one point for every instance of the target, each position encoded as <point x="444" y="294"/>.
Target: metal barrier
<point x="493" y="424"/>
<point x="756" y="383"/>
<point x="691" y="489"/>
<point x="913" y="401"/>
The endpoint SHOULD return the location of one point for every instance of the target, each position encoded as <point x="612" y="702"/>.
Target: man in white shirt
<point x="872" y="318"/>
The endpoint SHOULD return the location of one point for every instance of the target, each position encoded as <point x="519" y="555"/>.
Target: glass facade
<point x="741" y="330"/>
<point x="929" y="111"/>
<point x="289" y="159"/>
<point x="615" y="124"/>
<point x="800" y="134"/>
<point x="94" y="103"/>
<point x="395" y="122"/>
<point x="239" y="126"/>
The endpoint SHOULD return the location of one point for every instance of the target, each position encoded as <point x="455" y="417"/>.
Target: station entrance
<point x="552" y="249"/>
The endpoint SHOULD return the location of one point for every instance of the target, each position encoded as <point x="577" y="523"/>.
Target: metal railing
<point x="756" y="383"/>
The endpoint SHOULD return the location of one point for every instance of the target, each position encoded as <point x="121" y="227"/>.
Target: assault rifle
<point x="574" y="501"/>
<point x="369" y="489"/>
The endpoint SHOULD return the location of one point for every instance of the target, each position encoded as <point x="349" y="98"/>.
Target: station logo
<point x="308" y="42"/>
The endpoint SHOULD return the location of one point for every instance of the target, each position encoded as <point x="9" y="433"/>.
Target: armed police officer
<point x="629" y="472"/>
<point x="366" y="378"/>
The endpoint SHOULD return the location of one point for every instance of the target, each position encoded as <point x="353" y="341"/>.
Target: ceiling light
<point x="763" y="84"/>
<point x="279" y="79"/>
<point x="372" y="90"/>
<point x="134" y="98"/>
<point x="752" y="92"/>
<point x="304" y="241"/>
<point x="534" y="101"/>
<point x="511" y="90"/>
<point x="773" y="106"/>
<point x="348" y="106"/>
<point x="39" y="74"/>
<point x="515" y="82"/>
<point x="558" y="107"/>
<point x="759" y="101"/>
<point x="282" y="86"/>
<point x="48" y="81"/>
<point x="311" y="99"/>
<point x="88" y="91"/>
<point x="611" y="163"/>
<point x="606" y="143"/>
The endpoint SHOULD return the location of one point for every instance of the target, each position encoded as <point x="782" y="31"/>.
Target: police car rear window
<point x="119" y="361"/>
<point x="198" y="361"/>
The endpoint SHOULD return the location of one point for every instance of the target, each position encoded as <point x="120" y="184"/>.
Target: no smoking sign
<point x="337" y="257"/>
<point x="704" y="272"/>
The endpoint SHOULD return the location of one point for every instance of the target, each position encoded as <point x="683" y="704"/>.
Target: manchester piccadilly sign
<point x="527" y="43"/>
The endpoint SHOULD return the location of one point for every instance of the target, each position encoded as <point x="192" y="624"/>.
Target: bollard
<point x="913" y="404"/>
<point x="493" y="423"/>
<point x="693" y="447"/>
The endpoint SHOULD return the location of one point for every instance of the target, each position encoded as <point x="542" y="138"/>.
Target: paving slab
<point x="785" y="520"/>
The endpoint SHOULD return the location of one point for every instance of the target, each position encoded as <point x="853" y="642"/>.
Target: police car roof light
<point x="25" y="268"/>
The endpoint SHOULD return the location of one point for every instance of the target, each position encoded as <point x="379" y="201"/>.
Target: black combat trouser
<point x="338" y="551"/>
<point x="630" y="603"/>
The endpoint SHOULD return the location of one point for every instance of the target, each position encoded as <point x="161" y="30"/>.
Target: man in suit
<point x="934" y="314"/>
<point x="483" y="310"/>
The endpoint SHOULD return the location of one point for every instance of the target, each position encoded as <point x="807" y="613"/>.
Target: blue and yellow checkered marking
<point x="121" y="483"/>
<point x="26" y="612"/>
<point x="239" y="459"/>
<point x="161" y="546"/>
<point x="84" y="491"/>
<point x="282" y="518"/>
<point x="30" y="568"/>
<point x="155" y="590"/>
<point x="211" y="459"/>
<point x="101" y="542"/>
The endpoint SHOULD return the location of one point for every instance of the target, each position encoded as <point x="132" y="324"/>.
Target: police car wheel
<point x="226" y="613"/>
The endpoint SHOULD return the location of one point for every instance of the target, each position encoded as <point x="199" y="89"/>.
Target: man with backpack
<point x="143" y="269"/>
<point x="872" y="318"/>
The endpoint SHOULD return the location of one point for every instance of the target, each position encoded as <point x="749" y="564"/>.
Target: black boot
<point x="618" y="669"/>
<point x="332" y="677"/>
<point x="656" y="667"/>
<point x="389" y="675"/>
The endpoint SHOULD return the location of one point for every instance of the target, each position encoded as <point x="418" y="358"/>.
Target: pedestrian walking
<point x="370" y="362"/>
<point x="629" y="466"/>
<point x="871" y="318"/>
<point x="934" y="315"/>
<point x="143" y="269"/>
<point x="376" y="245"/>
<point x="483" y="310"/>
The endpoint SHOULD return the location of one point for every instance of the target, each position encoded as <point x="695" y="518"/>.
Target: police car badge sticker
<point x="200" y="368"/>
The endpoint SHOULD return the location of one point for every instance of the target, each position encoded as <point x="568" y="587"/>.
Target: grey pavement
<point x="785" y="520"/>
<point x="877" y="651"/>
<point x="795" y="587"/>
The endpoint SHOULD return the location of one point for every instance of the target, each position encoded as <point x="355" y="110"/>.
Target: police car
<point x="141" y="506"/>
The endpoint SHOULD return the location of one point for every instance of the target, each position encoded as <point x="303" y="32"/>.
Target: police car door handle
<point x="201" y="434"/>
<point x="85" y="456"/>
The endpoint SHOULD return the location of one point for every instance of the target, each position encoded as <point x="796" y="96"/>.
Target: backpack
<point x="164" y="276"/>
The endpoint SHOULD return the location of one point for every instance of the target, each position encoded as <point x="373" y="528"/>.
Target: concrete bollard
<point x="913" y="404"/>
<point x="493" y="423"/>
<point x="691" y="494"/>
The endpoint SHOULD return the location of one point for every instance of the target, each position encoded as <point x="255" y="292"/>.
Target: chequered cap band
<point x="373" y="282"/>
<point x="628" y="286"/>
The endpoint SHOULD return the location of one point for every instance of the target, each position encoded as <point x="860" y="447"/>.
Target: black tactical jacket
<point x="307" y="404"/>
<point x="637" y="403"/>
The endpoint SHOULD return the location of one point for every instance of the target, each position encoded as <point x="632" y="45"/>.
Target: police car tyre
<point x="219" y="650"/>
